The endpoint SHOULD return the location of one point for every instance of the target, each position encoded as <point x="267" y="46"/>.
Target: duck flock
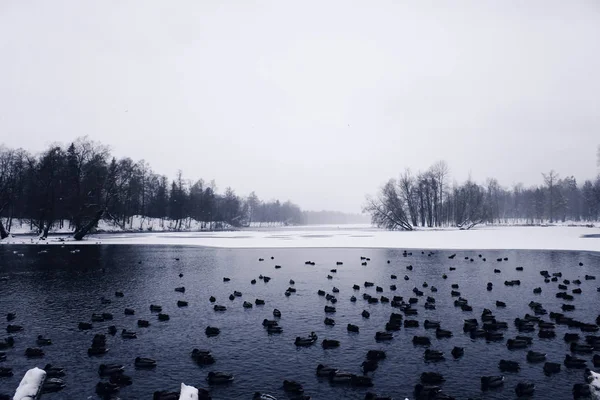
<point x="540" y="326"/>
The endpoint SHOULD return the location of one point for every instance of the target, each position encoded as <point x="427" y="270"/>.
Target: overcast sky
<point x="315" y="101"/>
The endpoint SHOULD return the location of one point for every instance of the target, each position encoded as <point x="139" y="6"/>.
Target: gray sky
<point x="316" y="101"/>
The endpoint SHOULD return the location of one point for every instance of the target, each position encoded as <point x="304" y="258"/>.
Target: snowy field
<point x="358" y="236"/>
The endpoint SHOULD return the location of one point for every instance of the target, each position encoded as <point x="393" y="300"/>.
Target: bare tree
<point x="387" y="210"/>
<point x="551" y="180"/>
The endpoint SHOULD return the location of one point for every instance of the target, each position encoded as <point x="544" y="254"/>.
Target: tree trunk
<point x="79" y="235"/>
<point x="3" y="233"/>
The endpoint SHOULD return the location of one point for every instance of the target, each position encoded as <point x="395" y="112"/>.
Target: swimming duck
<point x="524" y="389"/>
<point x="54" y="372"/>
<point x="110" y="369"/>
<point x="142" y="323"/>
<point x="442" y="333"/>
<point x="276" y="313"/>
<point x="219" y="308"/>
<point x="53" y="385"/>
<point x="259" y="302"/>
<point x="163" y="317"/>
<point x="325" y="371"/>
<point x="365" y="314"/>
<point x="231" y="297"/>
<point x="247" y="304"/>
<point x="237" y="294"/>
<point x="143" y="362"/>
<point x="433" y="355"/>
<point x="226" y="279"/>
<point x="274" y="329"/>
<point x="330" y="343"/>
<point x="457" y="352"/>
<point x="431" y="378"/>
<point x="353" y="298"/>
<point x="32" y="352"/>
<point x="155" y="308"/>
<point x="267" y="322"/>
<point x="512" y="366"/>
<point x="383" y="336"/>
<point x="329" y="309"/>
<point x="129" y="311"/>
<point x="182" y="303"/>
<point x="329" y="321"/>
<point x="262" y="396"/>
<point x="352" y="328"/>
<point x="421" y="341"/>
<point x="491" y="382"/>
<point x="125" y="334"/>
<point x="373" y="396"/>
<point x="219" y="378"/>
<point x="551" y="368"/>
<point x="41" y="341"/>
<point x="292" y="387"/>
<point x="534" y="356"/>
<point x="312" y="338"/>
<point x="14" y="328"/>
<point x="339" y="377"/>
<point x="427" y="324"/>
<point x="121" y="380"/>
<point x="356" y="287"/>
<point x="581" y="348"/>
<point x="516" y="344"/>
<point x="212" y="331"/>
<point x="202" y="357"/>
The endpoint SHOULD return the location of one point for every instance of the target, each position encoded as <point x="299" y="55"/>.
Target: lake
<point x="52" y="291"/>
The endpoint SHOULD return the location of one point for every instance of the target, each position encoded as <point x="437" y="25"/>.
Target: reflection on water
<point x="53" y="291"/>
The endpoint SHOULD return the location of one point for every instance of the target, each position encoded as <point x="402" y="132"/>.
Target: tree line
<point x="82" y="184"/>
<point x="427" y="199"/>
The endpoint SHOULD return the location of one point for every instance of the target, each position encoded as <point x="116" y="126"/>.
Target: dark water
<point x="52" y="292"/>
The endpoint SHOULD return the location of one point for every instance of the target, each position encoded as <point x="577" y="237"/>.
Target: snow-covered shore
<point x="356" y="236"/>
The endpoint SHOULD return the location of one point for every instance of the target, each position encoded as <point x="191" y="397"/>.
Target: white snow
<point x="31" y="385"/>
<point x="188" y="392"/>
<point x="359" y="236"/>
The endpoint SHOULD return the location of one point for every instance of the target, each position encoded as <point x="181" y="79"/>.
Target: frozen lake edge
<point x="481" y="238"/>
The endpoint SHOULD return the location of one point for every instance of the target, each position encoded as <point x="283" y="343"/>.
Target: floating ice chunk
<point x="31" y="385"/>
<point x="188" y="392"/>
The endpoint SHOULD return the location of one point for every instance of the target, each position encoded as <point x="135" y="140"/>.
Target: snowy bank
<point x="188" y="392"/>
<point x="505" y="237"/>
<point x="31" y="385"/>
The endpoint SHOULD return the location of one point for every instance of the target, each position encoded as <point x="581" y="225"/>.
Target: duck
<point x="182" y="303"/>
<point x="534" y="356"/>
<point x="491" y="382"/>
<point x="129" y="311"/>
<point x="276" y="313"/>
<point x="512" y="366"/>
<point x="383" y="335"/>
<point x="581" y="348"/>
<point x="512" y="344"/>
<point x="442" y="333"/>
<point x="267" y="322"/>
<point x="356" y="287"/>
<point x="433" y="355"/>
<point x="274" y="329"/>
<point x="212" y="331"/>
<point x="431" y="378"/>
<point x="125" y="334"/>
<point x="353" y="299"/>
<point x="365" y="314"/>
<point x="155" y="308"/>
<point x="218" y="307"/>
<point x="329" y="321"/>
<point x="54" y="372"/>
<point x="457" y="352"/>
<point x="53" y="385"/>
<point x="109" y="369"/>
<point x="292" y="387"/>
<point x="42" y="341"/>
<point x="142" y="323"/>
<point x="202" y="357"/>
<point x="574" y="362"/>
<point x="14" y="328"/>
<point x="262" y="396"/>
<point x="212" y="299"/>
<point x="143" y="362"/>
<point x="373" y="396"/>
<point x="330" y="343"/>
<point x="524" y="389"/>
<point x="259" y="302"/>
<point x="427" y="324"/>
<point x="237" y="293"/>
<point x="163" y="317"/>
<point x="376" y="355"/>
<point x="551" y="368"/>
<point x="121" y="380"/>
<point x="421" y="341"/>
<point x="214" y="378"/>
<point x="309" y="341"/>
<point x="247" y="304"/>
<point x="325" y="371"/>
<point x="329" y="309"/>
<point x="231" y="297"/>
<point x="33" y="352"/>
<point x="226" y="279"/>
<point x="352" y="328"/>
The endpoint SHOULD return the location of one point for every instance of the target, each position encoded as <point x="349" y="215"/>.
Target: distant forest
<point x="333" y="217"/>
<point x="83" y="183"/>
<point x="427" y="199"/>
